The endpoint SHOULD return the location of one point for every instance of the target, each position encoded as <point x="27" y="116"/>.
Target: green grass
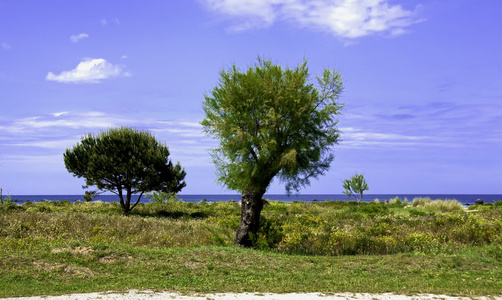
<point x="58" y="248"/>
<point x="85" y="268"/>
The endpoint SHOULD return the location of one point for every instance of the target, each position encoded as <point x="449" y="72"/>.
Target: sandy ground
<point x="249" y="296"/>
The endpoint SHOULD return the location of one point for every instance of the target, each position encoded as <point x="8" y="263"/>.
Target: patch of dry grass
<point x="438" y="205"/>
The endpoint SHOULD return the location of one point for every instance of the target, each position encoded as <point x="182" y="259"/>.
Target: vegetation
<point x="124" y="160"/>
<point x="6" y="200"/>
<point x="355" y="186"/>
<point x="58" y="247"/>
<point x="270" y="122"/>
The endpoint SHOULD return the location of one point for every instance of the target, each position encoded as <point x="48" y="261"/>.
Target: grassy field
<point x="422" y="247"/>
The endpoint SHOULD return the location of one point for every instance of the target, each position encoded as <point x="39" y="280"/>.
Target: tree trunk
<point x="122" y="203"/>
<point x="125" y="205"/>
<point x="251" y="207"/>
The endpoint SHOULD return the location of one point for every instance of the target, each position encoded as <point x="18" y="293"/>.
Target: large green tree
<point x="125" y="161"/>
<point x="270" y="121"/>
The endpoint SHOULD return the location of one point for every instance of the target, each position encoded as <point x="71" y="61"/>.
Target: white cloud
<point x="77" y="37"/>
<point x="89" y="71"/>
<point x="59" y="114"/>
<point x="344" y="18"/>
<point x="6" y="46"/>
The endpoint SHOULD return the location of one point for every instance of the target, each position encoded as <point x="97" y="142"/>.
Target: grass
<point x="58" y="247"/>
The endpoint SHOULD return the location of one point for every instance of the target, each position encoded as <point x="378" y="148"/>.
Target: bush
<point x="395" y="202"/>
<point x="164" y="198"/>
<point x="438" y="205"/>
<point x="421" y="202"/>
<point x="370" y="209"/>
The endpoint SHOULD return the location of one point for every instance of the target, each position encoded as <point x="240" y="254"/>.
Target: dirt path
<point x="248" y="296"/>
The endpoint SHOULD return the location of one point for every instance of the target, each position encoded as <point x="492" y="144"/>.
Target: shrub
<point x="370" y="209"/>
<point x="415" y="212"/>
<point x="421" y="202"/>
<point x="438" y="205"/>
<point x="163" y="197"/>
<point x="395" y="201"/>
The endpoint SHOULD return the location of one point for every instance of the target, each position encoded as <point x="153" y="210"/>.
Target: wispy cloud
<point x="6" y="46"/>
<point x="77" y="37"/>
<point x="347" y="19"/>
<point x="105" y="22"/>
<point x="42" y="163"/>
<point x="92" y="70"/>
<point x="438" y="124"/>
<point x="358" y="137"/>
<point x="51" y="134"/>
<point x="55" y="122"/>
<point x="54" y="144"/>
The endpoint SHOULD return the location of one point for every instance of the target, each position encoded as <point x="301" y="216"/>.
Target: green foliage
<point x="124" y="161"/>
<point x="164" y="198"/>
<point x="355" y="186"/>
<point x="8" y="205"/>
<point x="271" y="121"/>
<point x="370" y="209"/>
<point x="396" y="201"/>
<point x="166" y="204"/>
<point x="89" y="195"/>
<point x="6" y="200"/>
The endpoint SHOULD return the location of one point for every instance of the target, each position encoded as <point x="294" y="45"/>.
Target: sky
<point x="422" y="84"/>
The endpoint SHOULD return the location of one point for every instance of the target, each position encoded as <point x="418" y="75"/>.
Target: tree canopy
<point x="125" y="161"/>
<point x="271" y="121"/>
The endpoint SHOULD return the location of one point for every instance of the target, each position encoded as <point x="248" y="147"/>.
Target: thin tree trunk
<point x="122" y="203"/>
<point x="251" y="207"/>
<point x="127" y="208"/>
<point x="139" y="198"/>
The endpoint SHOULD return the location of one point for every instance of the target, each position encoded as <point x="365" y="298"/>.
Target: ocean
<point x="466" y="199"/>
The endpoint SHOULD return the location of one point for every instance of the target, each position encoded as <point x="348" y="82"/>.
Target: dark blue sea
<point x="466" y="199"/>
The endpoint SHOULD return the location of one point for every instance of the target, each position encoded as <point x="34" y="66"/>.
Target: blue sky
<point x="423" y="84"/>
